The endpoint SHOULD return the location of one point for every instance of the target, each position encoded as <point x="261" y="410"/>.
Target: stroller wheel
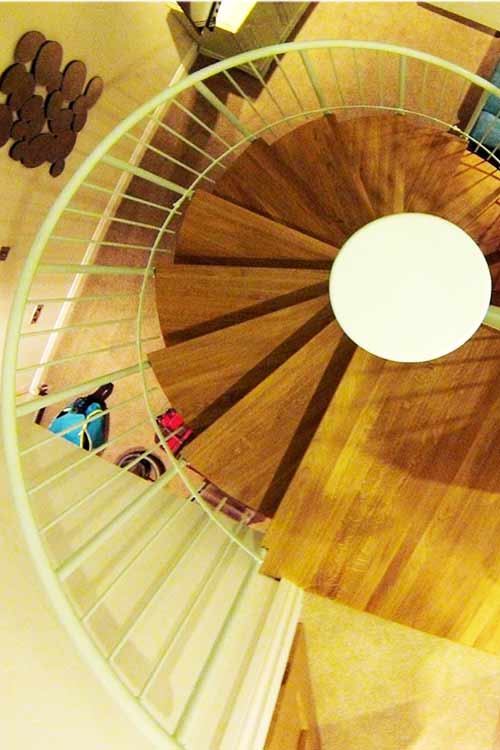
<point x="148" y="467"/>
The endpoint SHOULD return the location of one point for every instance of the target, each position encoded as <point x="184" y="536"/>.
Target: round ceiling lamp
<point x="410" y="287"/>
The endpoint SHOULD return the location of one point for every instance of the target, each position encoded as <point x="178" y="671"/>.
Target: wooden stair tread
<point x="390" y="156"/>
<point x="471" y="200"/>
<point x="373" y="149"/>
<point x="321" y="166"/>
<point x="367" y="167"/>
<point x="205" y="376"/>
<point x="431" y="159"/>
<point x="394" y="506"/>
<point x="252" y="451"/>
<point x="235" y="233"/>
<point x="195" y="300"/>
<point x="260" y="181"/>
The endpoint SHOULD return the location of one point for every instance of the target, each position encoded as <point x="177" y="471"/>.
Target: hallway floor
<point x="382" y="686"/>
<point x="377" y="685"/>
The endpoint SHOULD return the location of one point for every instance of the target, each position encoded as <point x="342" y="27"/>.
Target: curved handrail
<point x="8" y="416"/>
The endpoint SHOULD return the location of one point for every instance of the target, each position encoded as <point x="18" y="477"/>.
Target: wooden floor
<point x="395" y="508"/>
<point x="382" y="477"/>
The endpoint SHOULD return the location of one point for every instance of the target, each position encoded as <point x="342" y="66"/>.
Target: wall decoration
<point x="45" y="107"/>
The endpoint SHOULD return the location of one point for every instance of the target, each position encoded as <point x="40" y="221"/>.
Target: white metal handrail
<point x="105" y="174"/>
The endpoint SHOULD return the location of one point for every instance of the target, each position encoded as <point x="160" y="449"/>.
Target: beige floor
<point x="381" y="686"/>
<point x="377" y="685"/>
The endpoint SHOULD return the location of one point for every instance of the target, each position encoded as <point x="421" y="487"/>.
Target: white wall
<point x="50" y="698"/>
<point x="136" y="48"/>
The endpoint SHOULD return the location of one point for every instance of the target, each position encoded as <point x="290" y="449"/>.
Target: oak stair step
<point x="391" y="509"/>
<point x="471" y="200"/>
<point x="196" y="300"/>
<point x="253" y="450"/>
<point x="317" y="157"/>
<point x="431" y="158"/>
<point x="260" y="181"/>
<point x="216" y="230"/>
<point x="205" y="376"/>
<point x="389" y="156"/>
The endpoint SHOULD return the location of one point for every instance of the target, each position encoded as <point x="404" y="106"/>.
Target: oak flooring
<point x="395" y="508"/>
<point x="253" y="450"/>
<point x="217" y="230"/>
<point x="206" y="375"/>
<point x="194" y="300"/>
<point x="382" y="477"/>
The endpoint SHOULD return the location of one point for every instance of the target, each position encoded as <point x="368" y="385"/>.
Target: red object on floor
<point x="172" y="422"/>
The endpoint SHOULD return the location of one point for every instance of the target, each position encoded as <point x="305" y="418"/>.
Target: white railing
<point x="86" y="270"/>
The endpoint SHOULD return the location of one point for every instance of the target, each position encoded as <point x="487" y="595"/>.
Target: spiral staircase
<point x="221" y="213"/>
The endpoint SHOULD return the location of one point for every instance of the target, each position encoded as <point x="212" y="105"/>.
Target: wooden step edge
<point x="304" y="432"/>
<point x="245" y="314"/>
<point x="317" y="228"/>
<point x="259" y="372"/>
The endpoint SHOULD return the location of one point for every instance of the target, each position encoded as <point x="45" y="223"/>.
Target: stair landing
<point x="394" y="508"/>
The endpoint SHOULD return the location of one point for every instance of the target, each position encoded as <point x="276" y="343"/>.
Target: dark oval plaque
<point x="40" y="149"/>
<point x="61" y="122"/>
<point x="73" y="80"/>
<point x="32" y="108"/>
<point x="28" y="46"/>
<point x="80" y="105"/>
<point x="57" y="167"/>
<point x="17" y="150"/>
<point x="20" y="130"/>
<point x="93" y="91"/>
<point x="28" y="128"/>
<point x="18" y="84"/>
<point x="47" y="62"/>
<point x="53" y="104"/>
<point x="54" y="82"/>
<point x="22" y="93"/>
<point x="5" y="124"/>
<point x="64" y="143"/>
<point x="79" y="120"/>
<point x="12" y="77"/>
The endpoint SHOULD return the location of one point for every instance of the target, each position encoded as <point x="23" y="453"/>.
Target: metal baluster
<point x="105" y="243"/>
<point x="290" y="85"/>
<point x="167" y="157"/>
<point x="266" y="89"/>
<point x="52" y="436"/>
<point x="189" y="143"/>
<point x="225" y="111"/>
<point x="81" y="555"/>
<point x="336" y="76"/>
<point x="91" y="353"/>
<point x="313" y="78"/>
<point x="226" y="551"/>
<point x="30" y="407"/>
<point x="144" y="174"/>
<point x="78" y="326"/>
<point x="358" y="76"/>
<point x="94" y="214"/>
<point x="95" y="270"/>
<point x="124" y="196"/>
<point x="247" y="99"/>
<point x="202" y="124"/>
<point x="379" y="78"/>
<point x="168" y="521"/>
<point x="402" y="80"/>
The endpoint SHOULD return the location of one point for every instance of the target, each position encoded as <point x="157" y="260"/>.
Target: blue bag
<point x="86" y="415"/>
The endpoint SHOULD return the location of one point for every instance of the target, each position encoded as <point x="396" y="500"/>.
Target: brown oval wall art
<point x="45" y="106"/>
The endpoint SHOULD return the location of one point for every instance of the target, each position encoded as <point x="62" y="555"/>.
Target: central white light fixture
<point x="410" y="287"/>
